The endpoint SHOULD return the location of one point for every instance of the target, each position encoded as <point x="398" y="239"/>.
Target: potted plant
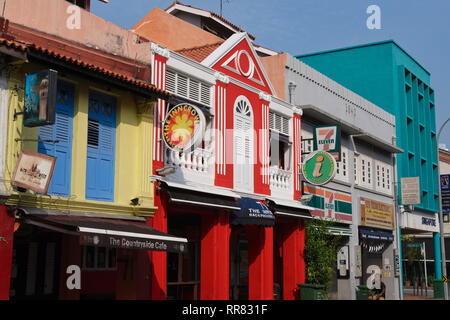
<point x="320" y="259"/>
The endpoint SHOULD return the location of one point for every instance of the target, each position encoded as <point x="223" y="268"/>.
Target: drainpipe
<point x="291" y="88"/>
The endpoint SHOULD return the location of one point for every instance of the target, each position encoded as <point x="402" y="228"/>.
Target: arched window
<point x="243" y="144"/>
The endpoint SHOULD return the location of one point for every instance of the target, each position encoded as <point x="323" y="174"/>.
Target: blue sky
<point x="420" y="27"/>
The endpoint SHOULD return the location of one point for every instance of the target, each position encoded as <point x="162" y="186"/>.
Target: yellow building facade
<point x="133" y="147"/>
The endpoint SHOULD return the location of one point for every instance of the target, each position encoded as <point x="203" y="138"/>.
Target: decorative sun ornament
<point x="183" y="126"/>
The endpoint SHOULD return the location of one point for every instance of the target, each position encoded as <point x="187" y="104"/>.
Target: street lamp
<point x="441" y="220"/>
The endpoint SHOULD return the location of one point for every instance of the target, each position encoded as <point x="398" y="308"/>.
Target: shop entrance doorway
<point x="238" y="264"/>
<point x="35" y="266"/>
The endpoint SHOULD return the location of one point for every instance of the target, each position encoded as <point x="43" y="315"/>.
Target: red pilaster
<point x="215" y="253"/>
<point x="293" y="258"/>
<point x="70" y="255"/>
<point x="260" y="256"/>
<point x="297" y="155"/>
<point x="6" y="248"/>
<point x="158" y="258"/>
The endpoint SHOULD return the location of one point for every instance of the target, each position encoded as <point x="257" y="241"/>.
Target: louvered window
<point x="100" y="163"/>
<point x="59" y="140"/>
<point x="243" y="145"/>
<point x="383" y="177"/>
<point x="187" y="87"/>
<point x="279" y="123"/>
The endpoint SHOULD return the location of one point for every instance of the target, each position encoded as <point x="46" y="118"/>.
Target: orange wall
<point x="54" y="17"/>
<point x="172" y="32"/>
<point x="275" y="68"/>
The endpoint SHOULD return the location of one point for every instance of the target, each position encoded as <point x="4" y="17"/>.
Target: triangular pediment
<point x="237" y="58"/>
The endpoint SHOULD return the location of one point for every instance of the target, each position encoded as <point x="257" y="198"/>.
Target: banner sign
<point x="445" y="192"/>
<point x="40" y="98"/>
<point x="410" y="190"/>
<point x="184" y="127"/>
<point x="319" y="168"/>
<point x="327" y="138"/>
<point x="377" y="214"/>
<point x="34" y="171"/>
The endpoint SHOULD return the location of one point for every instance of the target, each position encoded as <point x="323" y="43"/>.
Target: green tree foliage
<point x="321" y="249"/>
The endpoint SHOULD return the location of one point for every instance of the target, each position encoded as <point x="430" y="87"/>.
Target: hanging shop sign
<point x="40" y="98"/>
<point x="377" y="214"/>
<point x="34" y="171"/>
<point x="183" y="127"/>
<point x="410" y="190"/>
<point x="328" y="138"/>
<point x="445" y="192"/>
<point x="319" y="168"/>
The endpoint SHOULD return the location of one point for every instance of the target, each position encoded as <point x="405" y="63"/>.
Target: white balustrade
<point x="281" y="181"/>
<point x="195" y="161"/>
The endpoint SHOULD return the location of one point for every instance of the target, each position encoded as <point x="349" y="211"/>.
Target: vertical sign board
<point x="40" y="98"/>
<point x="445" y="192"/>
<point x="328" y="138"/>
<point x="410" y="190"/>
<point x="358" y="266"/>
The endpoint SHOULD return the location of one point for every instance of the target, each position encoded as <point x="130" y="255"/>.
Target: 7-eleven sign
<point x="328" y="138"/>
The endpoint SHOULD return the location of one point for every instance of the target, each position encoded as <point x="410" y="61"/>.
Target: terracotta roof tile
<point x="61" y="54"/>
<point x="200" y="53"/>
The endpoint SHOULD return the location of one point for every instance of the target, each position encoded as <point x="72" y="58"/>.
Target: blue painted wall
<point x="386" y="75"/>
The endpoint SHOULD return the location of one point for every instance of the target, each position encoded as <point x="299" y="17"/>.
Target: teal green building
<point x="389" y="77"/>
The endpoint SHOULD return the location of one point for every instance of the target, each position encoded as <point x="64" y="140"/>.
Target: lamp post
<point x="441" y="220"/>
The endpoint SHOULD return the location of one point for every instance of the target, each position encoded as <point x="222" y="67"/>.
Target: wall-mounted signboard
<point x="34" y="171"/>
<point x="377" y="214"/>
<point x="40" y="98"/>
<point x="410" y="190"/>
<point x="445" y="192"/>
<point x="184" y="127"/>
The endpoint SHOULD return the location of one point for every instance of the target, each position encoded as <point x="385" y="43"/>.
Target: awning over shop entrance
<point x="252" y="212"/>
<point x="376" y="235"/>
<point x="104" y="232"/>
<point x="211" y="199"/>
<point x="289" y="208"/>
<point x="374" y="241"/>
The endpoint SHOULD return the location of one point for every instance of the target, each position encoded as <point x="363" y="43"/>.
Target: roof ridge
<point x="201" y="47"/>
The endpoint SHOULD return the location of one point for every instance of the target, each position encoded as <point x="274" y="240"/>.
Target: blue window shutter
<point x="100" y="162"/>
<point x="62" y="131"/>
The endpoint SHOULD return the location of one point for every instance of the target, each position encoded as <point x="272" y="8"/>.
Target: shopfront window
<point x="99" y="258"/>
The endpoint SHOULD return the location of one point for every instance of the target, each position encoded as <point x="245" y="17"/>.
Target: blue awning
<point x="252" y="212"/>
<point x="376" y="235"/>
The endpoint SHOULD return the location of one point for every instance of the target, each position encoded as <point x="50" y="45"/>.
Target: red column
<point x="297" y="146"/>
<point x="158" y="258"/>
<point x="70" y="255"/>
<point x="260" y="256"/>
<point x="215" y="257"/>
<point x="293" y="258"/>
<point x="6" y="249"/>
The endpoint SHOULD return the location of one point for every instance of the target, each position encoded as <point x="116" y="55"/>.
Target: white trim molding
<point x="159" y="50"/>
<point x="222" y="78"/>
<point x="264" y="96"/>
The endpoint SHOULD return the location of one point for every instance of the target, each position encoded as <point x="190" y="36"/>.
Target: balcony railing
<point x="281" y="183"/>
<point x="193" y="166"/>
